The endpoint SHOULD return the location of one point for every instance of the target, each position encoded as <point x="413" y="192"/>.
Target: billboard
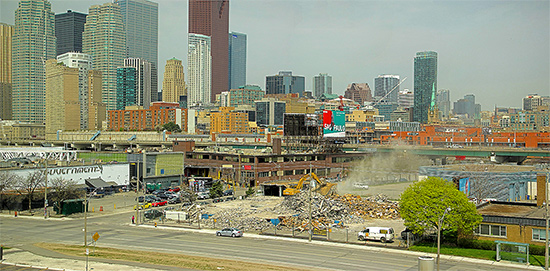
<point x="334" y="123"/>
<point x="296" y="124"/>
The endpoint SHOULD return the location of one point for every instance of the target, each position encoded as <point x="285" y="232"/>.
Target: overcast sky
<point x="497" y="50"/>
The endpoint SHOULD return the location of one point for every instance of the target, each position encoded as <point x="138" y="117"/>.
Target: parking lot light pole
<point x="439" y="234"/>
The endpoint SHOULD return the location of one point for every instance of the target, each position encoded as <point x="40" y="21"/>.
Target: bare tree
<point x="28" y="185"/>
<point x="8" y="181"/>
<point x="63" y="189"/>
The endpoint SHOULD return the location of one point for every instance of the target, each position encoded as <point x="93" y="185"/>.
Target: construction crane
<point x="394" y="88"/>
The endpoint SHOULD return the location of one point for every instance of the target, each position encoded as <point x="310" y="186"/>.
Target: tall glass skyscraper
<point x="33" y="43"/>
<point x="237" y="60"/>
<point x="140" y="18"/>
<point x="143" y="80"/>
<point x="385" y="83"/>
<point x="68" y="30"/>
<point x="322" y="84"/>
<point x="126" y="86"/>
<point x="104" y="39"/>
<point x="199" y="69"/>
<point x="425" y="84"/>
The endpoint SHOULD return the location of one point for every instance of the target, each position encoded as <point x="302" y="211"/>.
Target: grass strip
<point x="536" y="260"/>
<point x="167" y="259"/>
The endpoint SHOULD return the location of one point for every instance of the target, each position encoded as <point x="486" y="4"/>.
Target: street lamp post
<point x="87" y="197"/>
<point x="439" y="234"/>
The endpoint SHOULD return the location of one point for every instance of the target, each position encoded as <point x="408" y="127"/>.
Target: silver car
<point x="233" y="232"/>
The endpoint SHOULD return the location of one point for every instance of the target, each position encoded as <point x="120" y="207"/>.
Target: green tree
<point x="435" y="203"/>
<point x="217" y="190"/>
<point x="250" y="192"/>
<point x="171" y="127"/>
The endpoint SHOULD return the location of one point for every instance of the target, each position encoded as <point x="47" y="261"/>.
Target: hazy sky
<point x="497" y="50"/>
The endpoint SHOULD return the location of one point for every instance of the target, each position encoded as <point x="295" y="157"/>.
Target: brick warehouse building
<point x="139" y="119"/>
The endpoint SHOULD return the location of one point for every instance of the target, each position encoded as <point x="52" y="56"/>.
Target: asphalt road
<point x="114" y="231"/>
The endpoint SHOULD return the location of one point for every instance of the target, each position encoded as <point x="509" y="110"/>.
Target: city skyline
<point x="495" y="50"/>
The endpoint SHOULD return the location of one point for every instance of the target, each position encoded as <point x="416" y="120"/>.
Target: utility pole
<point x="310" y="188"/>
<point x="46" y="188"/>
<point x="137" y="193"/>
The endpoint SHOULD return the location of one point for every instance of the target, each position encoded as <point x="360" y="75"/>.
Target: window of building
<point x="491" y="230"/>
<point x="539" y="234"/>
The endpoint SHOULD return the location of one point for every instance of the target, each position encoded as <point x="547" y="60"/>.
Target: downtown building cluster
<point x="104" y="65"/>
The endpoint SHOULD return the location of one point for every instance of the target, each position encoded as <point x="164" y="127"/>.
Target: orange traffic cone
<point x="101" y="208"/>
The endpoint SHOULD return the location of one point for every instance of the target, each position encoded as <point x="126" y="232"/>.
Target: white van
<point x="384" y="234"/>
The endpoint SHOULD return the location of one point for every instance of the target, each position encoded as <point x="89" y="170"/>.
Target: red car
<point x="175" y="189"/>
<point x="158" y="203"/>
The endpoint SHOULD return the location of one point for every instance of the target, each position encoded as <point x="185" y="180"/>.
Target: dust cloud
<point x="381" y="168"/>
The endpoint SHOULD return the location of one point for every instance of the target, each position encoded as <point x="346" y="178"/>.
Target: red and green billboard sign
<point x="334" y="123"/>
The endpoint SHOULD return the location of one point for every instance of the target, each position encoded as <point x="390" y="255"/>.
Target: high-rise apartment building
<point x="386" y="88"/>
<point x="83" y="63"/>
<point x="62" y="98"/>
<point x="358" y="92"/>
<point x="140" y="18"/>
<point x="199" y="69"/>
<point x="237" y="60"/>
<point x="244" y="95"/>
<point x="229" y="121"/>
<point x="285" y="83"/>
<point x="322" y="84"/>
<point x="173" y="84"/>
<point x="34" y="42"/>
<point x="143" y="80"/>
<point x="211" y="18"/>
<point x="270" y="111"/>
<point x="68" y="31"/>
<point x="139" y="119"/>
<point x="444" y="102"/>
<point x="6" y="35"/>
<point x="105" y="40"/>
<point x="126" y="87"/>
<point x="97" y="110"/>
<point x="425" y="85"/>
<point x="405" y="98"/>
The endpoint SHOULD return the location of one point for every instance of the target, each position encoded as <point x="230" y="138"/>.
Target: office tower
<point x="444" y="102"/>
<point x="386" y="87"/>
<point x="425" y="84"/>
<point x="62" y="98"/>
<point x="6" y="35"/>
<point x="83" y="63"/>
<point x="358" y="92"/>
<point x="126" y="87"/>
<point x="322" y="84"/>
<point x="97" y="110"/>
<point x="270" y="111"/>
<point x="68" y="31"/>
<point x="535" y="102"/>
<point x="140" y="19"/>
<point x="405" y="98"/>
<point x="199" y="69"/>
<point x="285" y="83"/>
<point x="143" y="81"/>
<point x="33" y="43"/>
<point x="467" y="106"/>
<point x="237" y="60"/>
<point x="104" y="39"/>
<point x="211" y="18"/>
<point x="244" y="95"/>
<point x="173" y="84"/>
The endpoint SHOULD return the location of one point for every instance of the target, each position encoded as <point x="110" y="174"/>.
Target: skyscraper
<point x="199" y="69"/>
<point x="359" y="92"/>
<point x="83" y="63"/>
<point x="126" y="87"/>
<point x="140" y="18"/>
<point x="237" y="60"/>
<point x="425" y="84"/>
<point x="211" y="18"/>
<point x="143" y="80"/>
<point x="173" y="85"/>
<point x="6" y="35"/>
<point x="444" y="102"/>
<point x="68" y="31"/>
<point x="33" y="43"/>
<point x="104" y="39"/>
<point x="385" y="83"/>
<point x="62" y="98"/>
<point x="285" y="83"/>
<point x="322" y="84"/>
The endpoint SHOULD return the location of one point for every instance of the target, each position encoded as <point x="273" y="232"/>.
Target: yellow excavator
<point x="322" y="186"/>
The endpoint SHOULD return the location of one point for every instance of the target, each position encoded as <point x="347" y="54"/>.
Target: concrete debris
<point x="293" y="212"/>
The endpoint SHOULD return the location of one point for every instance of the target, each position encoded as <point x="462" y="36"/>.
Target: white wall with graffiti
<point x="118" y="173"/>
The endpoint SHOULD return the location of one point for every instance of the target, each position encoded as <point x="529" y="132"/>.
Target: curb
<point x="32" y="266"/>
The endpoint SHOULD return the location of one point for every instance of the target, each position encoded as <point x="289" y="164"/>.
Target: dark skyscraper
<point x="237" y="60"/>
<point x="68" y="30"/>
<point x="425" y="84"/>
<point x="285" y="83"/>
<point x="211" y="18"/>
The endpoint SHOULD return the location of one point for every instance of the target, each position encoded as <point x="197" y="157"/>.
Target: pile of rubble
<point x="293" y="212"/>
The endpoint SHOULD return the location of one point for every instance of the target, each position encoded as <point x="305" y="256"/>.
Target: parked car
<point x="143" y="206"/>
<point x="233" y="232"/>
<point x="382" y="234"/>
<point x="203" y="195"/>
<point x="175" y="189"/>
<point x="174" y="200"/>
<point x="159" y="203"/>
<point x="228" y="192"/>
<point x="152" y="214"/>
<point x="141" y="199"/>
